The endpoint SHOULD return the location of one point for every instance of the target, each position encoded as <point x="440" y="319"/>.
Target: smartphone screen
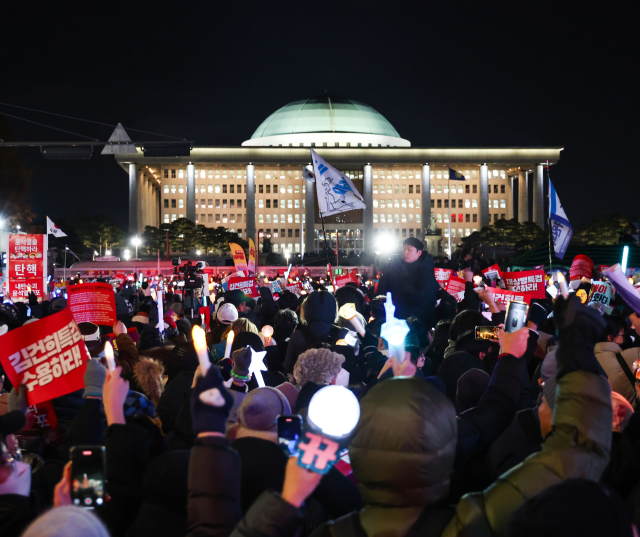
<point x="516" y="316"/>
<point x="487" y="332"/>
<point x="289" y="430"/>
<point x="87" y="476"/>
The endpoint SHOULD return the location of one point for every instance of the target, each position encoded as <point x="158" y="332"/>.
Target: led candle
<point x="227" y="350"/>
<point x="348" y="311"/>
<point x="108" y="353"/>
<point x="200" y="344"/>
<point x="563" y="285"/>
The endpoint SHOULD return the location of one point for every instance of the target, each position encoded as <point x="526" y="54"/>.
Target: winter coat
<point x="396" y="485"/>
<point x="413" y="287"/>
<point x="606" y="355"/>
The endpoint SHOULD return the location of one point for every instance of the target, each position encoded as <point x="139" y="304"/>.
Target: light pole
<point x="136" y="242"/>
<point x="64" y="275"/>
<point x="126" y="255"/>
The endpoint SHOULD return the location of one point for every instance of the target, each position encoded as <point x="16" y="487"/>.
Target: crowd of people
<point x="533" y="433"/>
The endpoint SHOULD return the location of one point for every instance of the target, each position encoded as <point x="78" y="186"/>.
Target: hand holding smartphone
<point x="88" y="476"/>
<point x="289" y="431"/>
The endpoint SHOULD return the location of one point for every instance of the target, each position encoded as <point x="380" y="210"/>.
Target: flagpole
<point x="549" y="218"/>
<point x="449" y="191"/>
<point x="326" y="245"/>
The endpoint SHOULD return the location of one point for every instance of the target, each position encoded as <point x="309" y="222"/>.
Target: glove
<point x="210" y="403"/>
<point x="94" y="379"/>
<point x="18" y="399"/>
<point x="579" y="329"/>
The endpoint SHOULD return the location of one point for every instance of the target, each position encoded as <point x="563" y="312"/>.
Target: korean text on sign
<point x="48" y="356"/>
<point x="531" y="282"/>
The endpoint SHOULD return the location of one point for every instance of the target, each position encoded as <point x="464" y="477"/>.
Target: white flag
<point x="54" y="230"/>
<point x="561" y="230"/>
<point x="336" y="192"/>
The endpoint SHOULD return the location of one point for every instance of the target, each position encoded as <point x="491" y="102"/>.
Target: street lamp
<point x="94" y="255"/>
<point x="198" y="252"/>
<point x="126" y="255"/>
<point x="136" y="242"/>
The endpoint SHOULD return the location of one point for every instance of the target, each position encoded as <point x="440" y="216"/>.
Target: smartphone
<point x="289" y="430"/>
<point x="88" y="476"/>
<point x="552" y="290"/>
<point x="516" y="316"/>
<point x="350" y="339"/>
<point x="487" y="332"/>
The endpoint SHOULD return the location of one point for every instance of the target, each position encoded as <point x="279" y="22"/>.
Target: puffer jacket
<point x="606" y="355"/>
<point x="578" y="447"/>
<point x="413" y="287"/>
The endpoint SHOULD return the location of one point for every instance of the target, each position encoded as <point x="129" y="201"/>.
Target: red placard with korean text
<point x="442" y="276"/>
<point x="48" y="356"/>
<point x="27" y="267"/>
<point x="493" y="268"/>
<point x="295" y="288"/>
<point x="246" y="285"/>
<point x="526" y="281"/>
<point x="501" y="296"/>
<point x="92" y="303"/>
<point x="455" y="285"/>
<point x="343" y="280"/>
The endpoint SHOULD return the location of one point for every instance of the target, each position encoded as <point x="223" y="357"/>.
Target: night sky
<point x="462" y="74"/>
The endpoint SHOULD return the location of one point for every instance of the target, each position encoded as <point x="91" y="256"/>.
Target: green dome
<point x="325" y="114"/>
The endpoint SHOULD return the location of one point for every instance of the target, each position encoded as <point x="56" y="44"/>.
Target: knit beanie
<point x="241" y="362"/>
<point x="260" y="408"/>
<point x="68" y="521"/>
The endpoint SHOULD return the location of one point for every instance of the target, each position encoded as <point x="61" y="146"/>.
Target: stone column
<point x="523" y="197"/>
<point x="250" y="204"/>
<point x="158" y="206"/>
<point x="538" y="196"/>
<point x="367" y="193"/>
<point x="141" y="200"/>
<point x="484" y="196"/>
<point x="309" y="217"/>
<point x="191" y="193"/>
<point x="133" y="198"/>
<point x="426" y="197"/>
<point x="510" y="199"/>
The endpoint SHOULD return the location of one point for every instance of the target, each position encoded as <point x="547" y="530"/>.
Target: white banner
<point x="336" y="192"/>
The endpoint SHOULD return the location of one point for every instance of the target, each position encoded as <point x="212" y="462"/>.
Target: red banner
<point x="48" y="356"/>
<point x="531" y="282"/>
<point x="246" y="285"/>
<point x="493" y="268"/>
<point x="343" y="280"/>
<point x="442" y="276"/>
<point x="455" y="285"/>
<point x="500" y="296"/>
<point x="93" y="303"/>
<point x="27" y="268"/>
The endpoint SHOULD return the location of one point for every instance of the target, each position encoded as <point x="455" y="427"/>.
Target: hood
<point x="454" y="366"/>
<point x="403" y="447"/>
<point x="320" y="312"/>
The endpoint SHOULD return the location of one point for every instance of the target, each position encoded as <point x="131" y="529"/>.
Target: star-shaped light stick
<point x="257" y="365"/>
<point x="394" y="331"/>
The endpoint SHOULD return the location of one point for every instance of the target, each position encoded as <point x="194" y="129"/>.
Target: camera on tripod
<point x="192" y="278"/>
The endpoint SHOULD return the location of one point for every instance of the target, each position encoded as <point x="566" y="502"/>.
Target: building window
<point x="297" y="218"/>
<point x="404" y="189"/>
<point x="375" y="218"/>
<point x="410" y="204"/>
<point x="397" y="218"/>
<point x="166" y="189"/>
<point x="432" y="189"/>
<point x="261" y="219"/>
<point x="475" y="189"/>
<point x="260" y="204"/>
<point x="410" y="189"/>
<point x="383" y="218"/>
<point x="181" y="203"/>
<point x="439" y="218"/>
<point x="239" y="204"/>
<point x="166" y="203"/>
<point x="439" y="189"/>
<point x="166" y="218"/>
<point x="296" y="204"/>
<point x="410" y="217"/>
<point x="389" y="189"/>
<point x="173" y="189"/>
<point x="495" y="189"/>
<point x="502" y="189"/>
<point x="224" y="204"/>
<point x="269" y="218"/>
<point x="289" y="218"/>
<point x="396" y="203"/>
<point x="173" y="204"/>
<point x="239" y="189"/>
<point x="475" y="217"/>
<point x="495" y="204"/>
<point x="297" y="187"/>
<point x="446" y="204"/>
<point x="439" y="204"/>
<point x="275" y="218"/>
<point x="224" y="189"/>
<point x="173" y="174"/>
<point x="217" y="189"/>
<point x="503" y="204"/>
<point x="173" y="217"/>
<point x="474" y="204"/>
<point x="467" y="218"/>
<point x="403" y="204"/>
<point x="446" y="218"/>
<point x="275" y="204"/>
<point x="433" y="204"/>
<point x="453" y="218"/>
<point x="268" y="202"/>
<point x="232" y="189"/>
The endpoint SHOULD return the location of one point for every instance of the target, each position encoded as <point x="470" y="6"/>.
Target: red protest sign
<point x="204" y="310"/>
<point x="295" y="288"/>
<point x="48" y="356"/>
<point x="92" y="303"/>
<point x="501" y="296"/>
<point x="27" y="270"/>
<point x="492" y="269"/>
<point x="343" y="280"/>
<point x="455" y="285"/>
<point x="246" y="285"/>
<point x="442" y="276"/>
<point x="531" y="282"/>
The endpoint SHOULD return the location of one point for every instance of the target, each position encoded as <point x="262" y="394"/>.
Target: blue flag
<point x="456" y="176"/>
<point x="561" y="229"/>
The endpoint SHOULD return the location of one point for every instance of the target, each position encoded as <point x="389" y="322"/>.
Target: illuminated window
<point x="260" y="219"/>
<point x="297" y="188"/>
<point x="173" y="217"/>
<point x="282" y="189"/>
<point x="375" y="204"/>
<point x="180" y="203"/>
<point x="417" y="204"/>
<point x="166" y="188"/>
<point x="439" y="218"/>
<point x="397" y="217"/>
<point x="375" y="218"/>
<point x="217" y="189"/>
<point x="268" y="218"/>
<point x="297" y="218"/>
<point x="467" y="204"/>
<point x="495" y="204"/>
<point x="446" y="189"/>
<point x="418" y="218"/>
<point x="474" y="204"/>
<point x="389" y="218"/>
<point x="503" y="204"/>
<point x="410" y="203"/>
<point x="410" y="217"/>
<point x="173" y="189"/>
<point x="397" y="188"/>
<point x="375" y="189"/>
<point x="446" y="218"/>
<point x="453" y="218"/>
<point x="202" y="187"/>
<point x="382" y="218"/>
<point x="432" y="189"/>
<point x="439" y="189"/>
<point x="389" y="189"/>
<point x="289" y="204"/>
<point x="453" y="232"/>
<point x="260" y="204"/>
<point x="396" y="203"/>
<point x="289" y="189"/>
<point x="166" y="218"/>
<point x="404" y="187"/>
<point x="290" y="219"/>
<point x="275" y="218"/>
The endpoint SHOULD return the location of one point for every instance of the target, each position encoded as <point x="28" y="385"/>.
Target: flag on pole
<point x="54" y="230"/>
<point x="336" y="192"/>
<point x="456" y="176"/>
<point x="560" y="228"/>
<point x="307" y="174"/>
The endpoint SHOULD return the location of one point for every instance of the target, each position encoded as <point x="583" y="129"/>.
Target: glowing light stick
<point x="394" y="331"/>
<point x="563" y="284"/>
<point x="108" y="354"/>
<point x="200" y="344"/>
<point x="267" y="332"/>
<point x="625" y="257"/>
<point x="160" y="312"/>
<point x="348" y="311"/>
<point x="257" y="366"/>
<point x="227" y="350"/>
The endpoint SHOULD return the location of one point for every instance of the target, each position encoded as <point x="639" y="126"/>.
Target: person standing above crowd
<point x="412" y="283"/>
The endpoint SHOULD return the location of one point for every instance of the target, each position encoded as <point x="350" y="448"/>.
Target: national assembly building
<point x="259" y="186"/>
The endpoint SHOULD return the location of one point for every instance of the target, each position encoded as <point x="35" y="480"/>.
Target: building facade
<point x="258" y="187"/>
